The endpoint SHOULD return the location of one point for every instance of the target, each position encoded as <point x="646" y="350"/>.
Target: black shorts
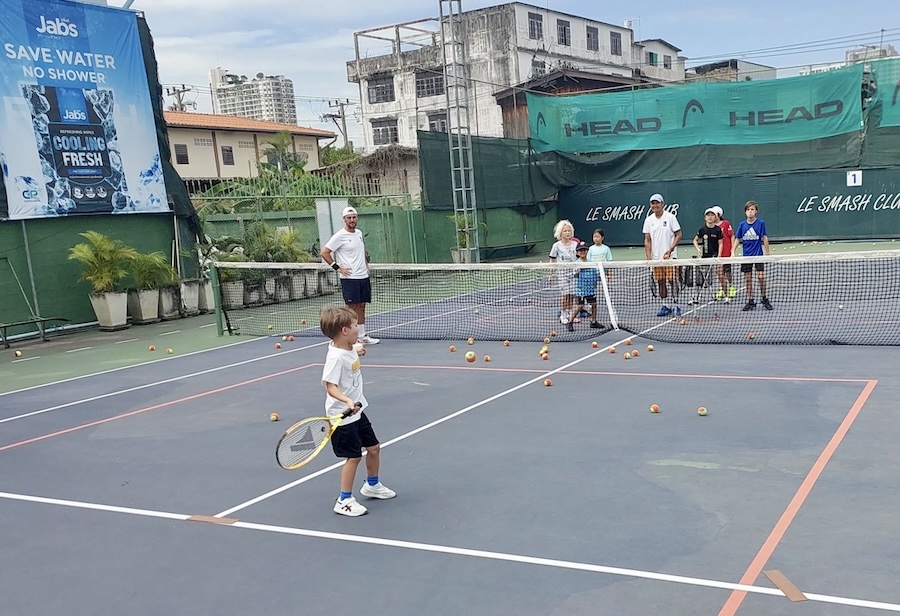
<point x="726" y="268"/>
<point x="356" y="290"/>
<point x="586" y="299"/>
<point x="349" y="439"/>
<point x="747" y="267"/>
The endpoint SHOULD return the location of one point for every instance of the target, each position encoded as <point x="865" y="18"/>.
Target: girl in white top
<point x="563" y="250"/>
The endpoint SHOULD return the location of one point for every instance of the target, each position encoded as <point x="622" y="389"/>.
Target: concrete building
<point x="506" y="45"/>
<point x="265" y="97"/>
<point x="853" y="56"/>
<point x="731" y="70"/>
<point x="208" y="148"/>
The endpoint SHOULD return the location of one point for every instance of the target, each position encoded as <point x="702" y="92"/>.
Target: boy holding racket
<point x="343" y="382"/>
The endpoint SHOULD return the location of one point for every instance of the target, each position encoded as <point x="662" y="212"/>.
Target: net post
<point x="217" y="297"/>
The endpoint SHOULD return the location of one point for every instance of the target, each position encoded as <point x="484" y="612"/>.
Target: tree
<point x="331" y="155"/>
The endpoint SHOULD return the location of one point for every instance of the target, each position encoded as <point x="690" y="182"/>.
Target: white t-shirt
<point x="348" y="250"/>
<point x="662" y="232"/>
<point x="599" y="253"/>
<point x="343" y="368"/>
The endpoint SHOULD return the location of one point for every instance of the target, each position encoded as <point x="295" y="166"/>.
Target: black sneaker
<point x="751" y="305"/>
<point x="595" y="325"/>
<point x="766" y="304"/>
<point x="570" y="327"/>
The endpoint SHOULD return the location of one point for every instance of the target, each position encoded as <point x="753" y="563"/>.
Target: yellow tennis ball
<point x="470" y="357"/>
<point x="18" y="353"/>
<point x="273" y="417"/>
<point x="650" y="347"/>
<point x="270" y="327"/>
<point x="627" y="356"/>
<point x="702" y="411"/>
<point x="470" y="341"/>
<point x="487" y="358"/>
<point x="547" y="382"/>
<point x="169" y="351"/>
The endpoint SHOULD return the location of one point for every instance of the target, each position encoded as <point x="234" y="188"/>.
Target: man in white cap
<point x="661" y="236"/>
<point x="346" y="253"/>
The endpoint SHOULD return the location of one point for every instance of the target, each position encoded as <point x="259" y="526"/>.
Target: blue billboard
<point x="77" y="134"/>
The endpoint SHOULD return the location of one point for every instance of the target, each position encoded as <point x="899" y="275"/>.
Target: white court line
<point x="19" y="361"/>
<point x="148" y="385"/>
<point x="177" y="331"/>
<point x="129" y="340"/>
<point x="79" y="350"/>
<point x="437" y="422"/>
<point x="207" y="325"/>
<point x="456" y="551"/>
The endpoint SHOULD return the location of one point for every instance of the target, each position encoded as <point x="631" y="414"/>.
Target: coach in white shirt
<point x="346" y="253"/>
<point x="661" y="236"/>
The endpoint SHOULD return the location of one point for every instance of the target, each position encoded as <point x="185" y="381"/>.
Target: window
<point x="652" y="58"/>
<point x="563" y="32"/>
<point x="593" y="39"/>
<point x="181" y="154"/>
<point x="381" y="89"/>
<point x="429" y="84"/>
<point x="535" y="26"/>
<point x="437" y="123"/>
<point x="384" y="132"/>
<point x="615" y="43"/>
<point x="667" y="61"/>
<point x="538" y="68"/>
<point x="227" y="155"/>
<point x="245" y="145"/>
<point x="203" y="142"/>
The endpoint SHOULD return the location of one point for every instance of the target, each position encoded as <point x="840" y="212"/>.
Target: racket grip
<point x="349" y="412"/>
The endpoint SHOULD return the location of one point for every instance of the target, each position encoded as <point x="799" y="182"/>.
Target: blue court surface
<point x="153" y="489"/>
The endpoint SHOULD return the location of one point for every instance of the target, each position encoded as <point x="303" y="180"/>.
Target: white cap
<point x="349" y="211"/>
<point x="657" y="197"/>
<point x="717" y="210"/>
<point x="710" y="210"/>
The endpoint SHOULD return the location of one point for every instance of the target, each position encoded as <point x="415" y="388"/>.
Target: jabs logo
<point x="74" y="114"/>
<point x="58" y="27"/>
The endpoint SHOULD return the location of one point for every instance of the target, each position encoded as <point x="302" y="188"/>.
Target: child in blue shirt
<point x="586" y="279"/>
<point x="751" y="235"/>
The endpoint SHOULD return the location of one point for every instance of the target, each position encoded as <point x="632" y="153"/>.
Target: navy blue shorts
<point x="349" y="439"/>
<point x="748" y="267"/>
<point x="356" y="290"/>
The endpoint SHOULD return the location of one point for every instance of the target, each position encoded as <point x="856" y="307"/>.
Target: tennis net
<point x="836" y="298"/>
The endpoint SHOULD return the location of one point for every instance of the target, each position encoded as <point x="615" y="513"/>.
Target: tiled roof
<point x="225" y="122"/>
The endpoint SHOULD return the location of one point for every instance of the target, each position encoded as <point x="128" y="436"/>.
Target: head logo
<point x="57" y="27"/>
<point x="542" y="122"/>
<point x="693" y="106"/>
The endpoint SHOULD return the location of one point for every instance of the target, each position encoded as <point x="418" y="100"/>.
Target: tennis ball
<point x="547" y="382"/>
<point x="612" y="350"/>
<point x="650" y="347"/>
<point x="290" y="338"/>
<point x="720" y="294"/>
<point x="487" y="358"/>
<point x="452" y="349"/>
<point x="634" y="353"/>
<point x="545" y="356"/>
<point x="627" y="356"/>
<point x="302" y="321"/>
<point x="628" y="342"/>
<point x="169" y="350"/>
<point x="152" y="348"/>
<point x="274" y="417"/>
<point x="18" y="353"/>
<point x="751" y="336"/>
<point x="470" y="341"/>
<point x="654" y="408"/>
<point x="594" y="344"/>
<point x="506" y="343"/>
<point x="546" y="340"/>
<point x="270" y="327"/>
<point x="702" y="411"/>
<point x="470" y="357"/>
<point x="553" y="334"/>
<point x="284" y="338"/>
<point x="277" y="345"/>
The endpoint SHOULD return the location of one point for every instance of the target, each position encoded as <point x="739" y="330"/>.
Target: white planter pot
<point x="298" y="286"/>
<point x="206" y="301"/>
<point x="232" y="294"/>
<point x="190" y="297"/>
<point x="143" y="306"/>
<point x="111" y="310"/>
<point x="312" y="283"/>
<point x="169" y="303"/>
<point x="283" y="289"/>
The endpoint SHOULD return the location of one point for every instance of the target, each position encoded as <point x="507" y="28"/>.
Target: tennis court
<point x="153" y="489"/>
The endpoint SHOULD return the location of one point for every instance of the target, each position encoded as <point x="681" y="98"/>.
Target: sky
<point x="310" y="42"/>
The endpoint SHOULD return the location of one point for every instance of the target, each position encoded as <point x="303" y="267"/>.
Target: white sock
<point x="362" y="331"/>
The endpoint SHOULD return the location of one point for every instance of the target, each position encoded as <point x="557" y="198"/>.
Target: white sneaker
<point x="368" y="340"/>
<point x="377" y="491"/>
<point x="349" y="507"/>
<point x="728" y="300"/>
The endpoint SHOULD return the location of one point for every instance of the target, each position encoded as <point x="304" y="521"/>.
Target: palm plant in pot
<point x="149" y="272"/>
<point x="105" y="263"/>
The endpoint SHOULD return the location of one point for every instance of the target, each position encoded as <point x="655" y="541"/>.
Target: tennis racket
<point x="305" y="439"/>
